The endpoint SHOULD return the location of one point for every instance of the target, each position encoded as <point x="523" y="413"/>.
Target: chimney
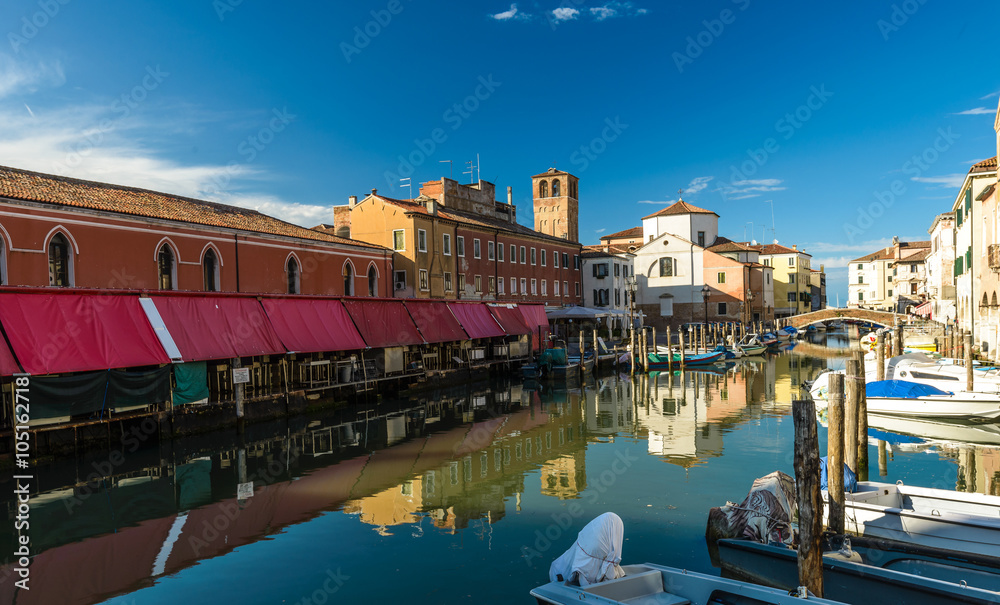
<point x="432" y="207"/>
<point x="374" y="192"/>
<point x="352" y="201"/>
<point x="795" y="247"/>
<point x="510" y="196"/>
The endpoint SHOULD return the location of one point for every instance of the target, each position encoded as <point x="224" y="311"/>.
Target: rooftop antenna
<point x="772" y="220"/>
<point x="451" y="168"/>
<point x="479" y="167"/>
<point x="680" y="193"/>
<point x="471" y="172"/>
<point x="407" y="184"/>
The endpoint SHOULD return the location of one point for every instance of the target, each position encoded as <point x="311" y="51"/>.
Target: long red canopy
<point x="476" y="319"/>
<point x="218" y="327"/>
<point x="7" y="364"/>
<point x="436" y="321"/>
<point x="534" y="317"/>
<point x="383" y="323"/>
<point x="510" y="318"/>
<point x="56" y="333"/>
<point x="311" y="325"/>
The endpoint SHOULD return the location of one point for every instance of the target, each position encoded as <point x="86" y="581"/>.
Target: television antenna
<point x="407" y="184"/>
<point x="451" y="168"/>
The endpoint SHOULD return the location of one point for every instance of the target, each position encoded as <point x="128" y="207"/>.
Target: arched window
<point x="372" y="281"/>
<point x="985" y="300"/>
<point x="993" y="300"/>
<point x="166" y="265"/>
<point x="572" y="190"/>
<point x="293" y="275"/>
<point x="543" y="189"/>
<point x="555" y="188"/>
<point x="348" y="279"/>
<point x="210" y="269"/>
<point x="60" y="273"/>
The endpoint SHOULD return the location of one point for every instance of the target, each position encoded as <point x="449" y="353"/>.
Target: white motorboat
<point x="943" y="374"/>
<point x="938" y="518"/>
<point x="902" y="398"/>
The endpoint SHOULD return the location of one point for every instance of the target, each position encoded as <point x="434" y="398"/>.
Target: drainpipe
<point x="236" y="244"/>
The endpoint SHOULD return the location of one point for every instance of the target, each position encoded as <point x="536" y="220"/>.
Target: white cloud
<point x="565" y="14"/>
<point x="698" y="184"/>
<point x="856" y="249"/>
<point x="657" y="202"/>
<point x="17" y="77"/>
<point x="509" y="14"/>
<point x="977" y="111"/>
<point x="990" y="96"/>
<point x="600" y="231"/>
<point x="616" y="9"/>
<point x="739" y="190"/>
<point x="946" y="180"/>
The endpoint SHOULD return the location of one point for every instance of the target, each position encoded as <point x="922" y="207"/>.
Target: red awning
<point x="924" y="309"/>
<point x="55" y="333"/>
<point x="436" y="322"/>
<point x="7" y="364"/>
<point x="312" y="325"/>
<point x="218" y="327"/>
<point x="476" y="319"/>
<point x="383" y="323"/>
<point x="510" y="318"/>
<point x="535" y="318"/>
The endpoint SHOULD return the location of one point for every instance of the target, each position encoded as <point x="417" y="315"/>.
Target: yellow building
<point x="792" y="278"/>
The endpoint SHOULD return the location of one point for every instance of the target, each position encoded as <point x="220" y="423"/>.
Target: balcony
<point x="993" y="254"/>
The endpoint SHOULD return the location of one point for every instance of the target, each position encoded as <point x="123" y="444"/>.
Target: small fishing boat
<point x="589" y="360"/>
<point x="660" y="362"/>
<point x="768" y="339"/>
<point x="902" y="398"/>
<point x="751" y="345"/>
<point x="864" y="570"/>
<point x="556" y="365"/>
<point x="786" y="334"/>
<point x="937" y="518"/>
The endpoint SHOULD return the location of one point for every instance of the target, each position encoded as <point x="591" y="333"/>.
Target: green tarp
<point x="191" y="382"/>
<point x="97" y="393"/>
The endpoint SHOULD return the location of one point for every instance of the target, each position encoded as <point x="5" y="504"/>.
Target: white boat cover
<point x="596" y="554"/>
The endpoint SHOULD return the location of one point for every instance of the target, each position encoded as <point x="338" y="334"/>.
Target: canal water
<point x="460" y="495"/>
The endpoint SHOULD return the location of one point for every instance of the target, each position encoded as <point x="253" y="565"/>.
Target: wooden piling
<point x="655" y="349"/>
<point x="810" y="551"/>
<point x="862" y="434"/>
<point x="595" y="346"/>
<point x="852" y="395"/>
<point x="835" y="453"/>
<point x="670" y="352"/>
<point x="645" y="351"/>
<point x="581" y="350"/>
<point x="880" y="355"/>
<point x="969" y="379"/>
<point x="899" y="339"/>
<point x="631" y="350"/>
<point x="680" y="334"/>
<point x="883" y="459"/>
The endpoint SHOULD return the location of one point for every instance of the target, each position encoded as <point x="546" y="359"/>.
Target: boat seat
<point x="645" y="588"/>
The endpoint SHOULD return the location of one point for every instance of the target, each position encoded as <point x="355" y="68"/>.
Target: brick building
<point x="457" y="241"/>
<point x="556" y="204"/>
<point x="57" y="231"/>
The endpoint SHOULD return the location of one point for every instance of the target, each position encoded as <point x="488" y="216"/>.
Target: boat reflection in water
<point x="464" y="483"/>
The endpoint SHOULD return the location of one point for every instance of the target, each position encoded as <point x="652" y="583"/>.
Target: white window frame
<point x="500" y="284"/>
<point x="403" y="233"/>
<point x="500" y="248"/>
<point x="421" y="240"/>
<point x="545" y="254"/>
<point x="513" y="254"/>
<point x="513" y="285"/>
<point x="448" y="284"/>
<point x="446" y="244"/>
<point x="477" y="248"/>
<point x="534" y="287"/>
<point x="524" y="286"/>
<point x="423" y="280"/>
<point x="460" y="245"/>
<point x="524" y="255"/>
<point x="555" y="287"/>
<point x="545" y="288"/>
<point x="478" y="283"/>
<point x="565" y="288"/>
<point x="534" y="256"/>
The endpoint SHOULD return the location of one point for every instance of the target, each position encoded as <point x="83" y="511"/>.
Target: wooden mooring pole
<point x="835" y="453"/>
<point x="680" y="335"/>
<point x="670" y="352"/>
<point x="852" y="396"/>
<point x="631" y="350"/>
<point x="645" y="351"/>
<point x="969" y="378"/>
<point x="880" y="355"/>
<point x="810" y="552"/>
<point x="862" y="435"/>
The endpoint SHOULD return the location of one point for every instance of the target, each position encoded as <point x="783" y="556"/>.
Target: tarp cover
<point x="596" y="554"/>
<point x="192" y="382"/>
<point x="535" y="318"/>
<point x="850" y="479"/>
<point x="476" y="319"/>
<point x="436" y="321"/>
<point x="97" y="393"/>
<point x="55" y="333"/>
<point x="510" y="319"/>
<point x="310" y="325"/>
<point x="764" y="516"/>
<point x="901" y="389"/>
<point x="383" y="323"/>
<point x="217" y="327"/>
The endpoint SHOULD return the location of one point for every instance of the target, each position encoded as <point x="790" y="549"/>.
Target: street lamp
<point x="631" y="287"/>
<point x="749" y="316"/>
<point x="705" y="293"/>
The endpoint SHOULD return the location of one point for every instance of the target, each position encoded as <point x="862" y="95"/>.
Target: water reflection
<point x="420" y="474"/>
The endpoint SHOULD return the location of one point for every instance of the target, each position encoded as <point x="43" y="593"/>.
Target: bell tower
<point x="556" y="204"/>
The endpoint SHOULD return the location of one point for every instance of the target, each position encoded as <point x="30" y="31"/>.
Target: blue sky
<point x="290" y="108"/>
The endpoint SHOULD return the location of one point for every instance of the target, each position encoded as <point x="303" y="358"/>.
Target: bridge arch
<point x="881" y="318"/>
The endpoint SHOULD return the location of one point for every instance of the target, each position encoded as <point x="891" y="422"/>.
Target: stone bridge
<point x="882" y="318"/>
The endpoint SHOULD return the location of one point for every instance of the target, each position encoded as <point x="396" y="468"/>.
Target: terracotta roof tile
<point x="680" y="207"/>
<point x="773" y="249"/>
<point x="633" y="232"/>
<point x="64" y="191"/>
<point x="985" y="166"/>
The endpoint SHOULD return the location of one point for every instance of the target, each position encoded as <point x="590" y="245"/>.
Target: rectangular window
<point x="861" y="279"/>
<point x="721" y="277"/>
<point x="500" y="253"/>
<point x="513" y="253"/>
<point x="701" y="239"/>
<point x="791" y="261"/>
<point x="524" y="256"/>
<point x="861" y="295"/>
<point x="534" y="256"/>
<point x="618" y="297"/>
<point x="555" y="288"/>
<point x="491" y="250"/>
<point x="791" y="297"/>
<point x="421" y="240"/>
<point x="722" y="309"/>
<point x="478" y="280"/>
<point x="577" y="288"/>
<point x="524" y="286"/>
<point x="576" y="262"/>
<point x="545" y="289"/>
<point x="860" y="267"/>
<point x="400" y="278"/>
<point x="423" y="279"/>
<point x="460" y="244"/>
<point x="398" y="239"/>
<point x="888" y="278"/>
<point x="767" y="262"/>
<point x="446" y="244"/>
<point x="913" y="268"/>
<point x="544" y="256"/>
<point x="617" y="269"/>
<point x="555" y="259"/>
<point x="601" y="270"/>
<point x="890" y="292"/>
<point x="476" y="249"/>
<point x="461" y="282"/>
<point x="791" y="278"/>
<point x="493" y="285"/>
<point x="502" y="282"/>
<point x="513" y="285"/>
<point x="565" y="263"/>
<point x="666" y="267"/>
<point x="913" y="288"/>
<point x="666" y="307"/>
<point x="565" y="288"/>
<point x="447" y="281"/>
<point x="534" y="287"/>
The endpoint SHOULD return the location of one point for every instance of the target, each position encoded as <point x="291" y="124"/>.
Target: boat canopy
<point x="596" y="554"/>
<point x="901" y="389"/>
<point x="914" y="357"/>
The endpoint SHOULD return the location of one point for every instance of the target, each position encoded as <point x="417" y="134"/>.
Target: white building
<point x="604" y="271"/>
<point x="969" y="245"/>
<point x="940" y="268"/>
<point x="873" y="278"/>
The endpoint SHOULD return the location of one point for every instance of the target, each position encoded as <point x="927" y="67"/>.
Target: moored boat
<point x="660" y="362"/>
<point x="902" y="398"/>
